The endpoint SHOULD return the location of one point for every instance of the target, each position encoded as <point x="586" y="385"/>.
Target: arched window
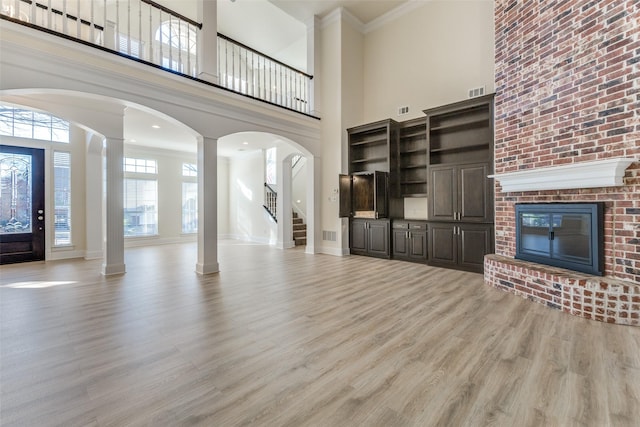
<point x="31" y="124"/>
<point x="177" y="45"/>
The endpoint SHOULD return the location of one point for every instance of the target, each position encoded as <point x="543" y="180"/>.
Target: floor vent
<point x="329" y="235"/>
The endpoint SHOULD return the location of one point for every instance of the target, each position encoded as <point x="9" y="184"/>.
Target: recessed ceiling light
<point x="245" y="143"/>
<point x="155" y="126"/>
<point x="132" y="140"/>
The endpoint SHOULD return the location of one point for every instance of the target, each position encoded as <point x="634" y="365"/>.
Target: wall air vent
<point x="329" y="235"/>
<point x="476" y="91"/>
<point x="403" y="110"/>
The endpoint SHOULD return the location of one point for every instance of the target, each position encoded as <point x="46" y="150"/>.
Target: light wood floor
<point x="282" y="338"/>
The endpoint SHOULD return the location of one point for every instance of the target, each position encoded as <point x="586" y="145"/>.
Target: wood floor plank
<point x="284" y="338"/>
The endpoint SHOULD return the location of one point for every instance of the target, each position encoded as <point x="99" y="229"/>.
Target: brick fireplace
<point x="568" y="94"/>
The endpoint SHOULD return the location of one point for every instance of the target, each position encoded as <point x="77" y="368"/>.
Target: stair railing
<point x="270" y="201"/>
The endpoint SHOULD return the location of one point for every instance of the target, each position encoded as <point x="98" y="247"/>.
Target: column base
<point x="207" y="268"/>
<point x="109" y="270"/>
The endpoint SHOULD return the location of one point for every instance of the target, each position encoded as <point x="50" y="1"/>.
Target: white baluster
<point x="151" y="40"/>
<point x="129" y="27"/>
<point x="181" y="68"/>
<point x="65" y="21"/>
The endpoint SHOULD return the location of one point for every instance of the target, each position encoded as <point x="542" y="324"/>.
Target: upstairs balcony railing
<point x="151" y="33"/>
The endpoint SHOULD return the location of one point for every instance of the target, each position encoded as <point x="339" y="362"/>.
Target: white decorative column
<point x="208" y="41"/>
<point x="284" y="214"/>
<point x="110" y="35"/>
<point x="93" y="198"/>
<point x="314" y="187"/>
<point x="114" y="207"/>
<point x="207" y="206"/>
<point x="313" y="64"/>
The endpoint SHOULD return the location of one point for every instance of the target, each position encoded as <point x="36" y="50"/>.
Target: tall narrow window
<point x="270" y="166"/>
<point x="140" y="207"/>
<point x="189" y="207"/>
<point x="62" y="197"/>
<point x="189" y="198"/>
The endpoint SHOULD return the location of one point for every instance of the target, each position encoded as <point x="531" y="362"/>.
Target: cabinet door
<point x="378" y="238"/>
<point x="418" y="245"/>
<point x="443" y="193"/>
<point x="344" y="187"/>
<point x="358" y="236"/>
<point x="380" y="194"/>
<point x="443" y="244"/>
<point x="400" y="243"/>
<point x="476" y="240"/>
<point x="475" y="202"/>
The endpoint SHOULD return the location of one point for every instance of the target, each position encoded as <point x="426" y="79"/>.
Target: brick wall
<point x="568" y="90"/>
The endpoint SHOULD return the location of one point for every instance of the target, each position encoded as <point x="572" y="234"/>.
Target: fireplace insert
<point x="567" y="235"/>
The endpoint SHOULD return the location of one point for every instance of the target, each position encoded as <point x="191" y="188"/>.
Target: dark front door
<point x="21" y="204"/>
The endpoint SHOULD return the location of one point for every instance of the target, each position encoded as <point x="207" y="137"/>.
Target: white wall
<point x="248" y="220"/>
<point x="333" y="159"/>
<point x="428" y="57"/>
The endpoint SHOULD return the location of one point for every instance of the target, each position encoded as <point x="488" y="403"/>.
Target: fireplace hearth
<point x="567" y="235"/>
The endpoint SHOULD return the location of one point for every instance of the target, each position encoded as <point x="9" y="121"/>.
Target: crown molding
<point x="341" y="13"/>
<point x="393" y="14"/>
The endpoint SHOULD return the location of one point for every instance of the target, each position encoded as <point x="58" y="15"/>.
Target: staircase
<point x="299" y="230"/>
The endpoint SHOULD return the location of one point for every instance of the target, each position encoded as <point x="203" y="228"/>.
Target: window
<point x="177" y="46"/>
<point x="189" y="207"/>
<point x="178" y="34"/>
<point x="31" y="124"/>
<point x="189" y="169"/>
<point x="270" y="166"/>
<point x="62" y="197"/>
<point x="129" y="46"/>
<point x="140" y="165"/>
<point x="140" y="207"/>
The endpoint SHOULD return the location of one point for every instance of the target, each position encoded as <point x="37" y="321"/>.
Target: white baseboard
<point x="66" y="254"/>
<point x="334" y="251"/>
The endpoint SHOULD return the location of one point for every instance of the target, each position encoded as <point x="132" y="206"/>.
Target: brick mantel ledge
<point x="604" y="299"/>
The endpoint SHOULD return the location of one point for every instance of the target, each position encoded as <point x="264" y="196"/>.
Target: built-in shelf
<point x="461" y="147"/>
<point x="369" y="142"/>
<point x="593" y="174"/>
<point x="370" y="160"/>
<point x="413" y="151"/>
<point x="413" y="182"/>
<point x="462" y="124"/>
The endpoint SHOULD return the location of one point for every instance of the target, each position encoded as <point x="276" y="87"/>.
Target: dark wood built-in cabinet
<point x="370" y="237"/>
<point x="460" y="200"/>
<point x="373" y="147"/>
<point x="445" y="157"/>
<point x="409" y="240"/>
<point x="461" y="193"/>
<point x="459" y="245"/>
<point x="413" y="158"/>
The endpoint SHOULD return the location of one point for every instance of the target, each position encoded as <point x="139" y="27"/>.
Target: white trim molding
<point x="594" y="174"/>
